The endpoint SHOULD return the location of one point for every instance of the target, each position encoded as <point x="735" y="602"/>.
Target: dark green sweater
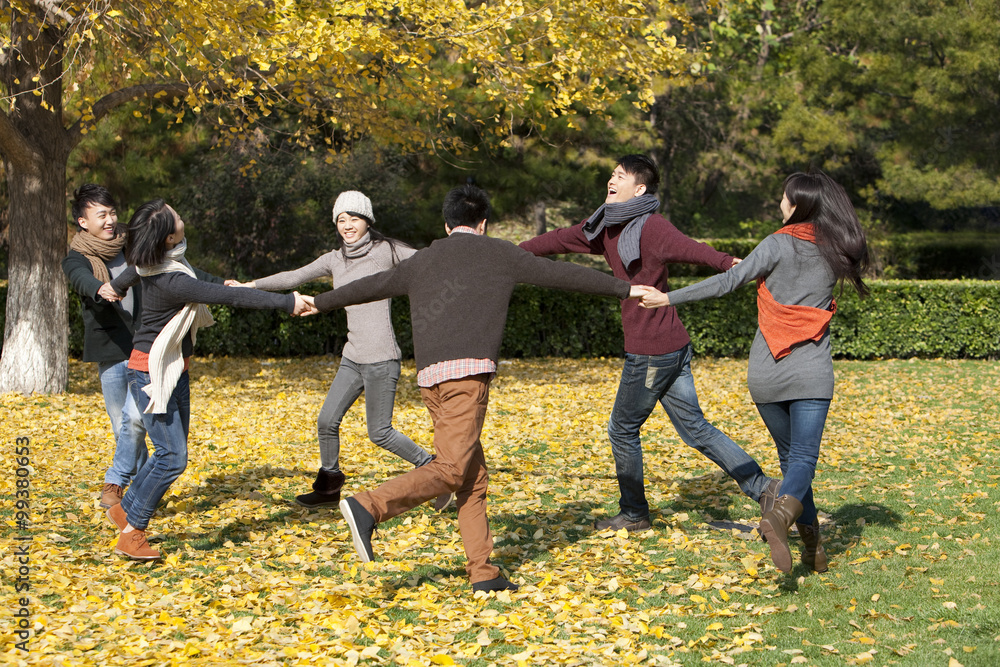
<point x="107" y="327"/>
<point x="459" y="289"/>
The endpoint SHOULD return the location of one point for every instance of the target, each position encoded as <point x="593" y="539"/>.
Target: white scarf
<point x="166" y="360"/>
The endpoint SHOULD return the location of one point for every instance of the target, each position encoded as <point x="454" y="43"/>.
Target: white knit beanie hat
<point x="355" y="203"/>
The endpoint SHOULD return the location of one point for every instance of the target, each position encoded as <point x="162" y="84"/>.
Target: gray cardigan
<point x="370" y="337"/>
<point x="795" y="274"/>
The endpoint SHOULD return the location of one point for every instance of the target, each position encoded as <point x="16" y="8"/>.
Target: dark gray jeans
<point x="378" y="381"/>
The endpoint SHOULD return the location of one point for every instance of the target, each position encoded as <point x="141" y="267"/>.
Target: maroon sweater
<point x="647" y="331"/>
<point x="459" y="289"/>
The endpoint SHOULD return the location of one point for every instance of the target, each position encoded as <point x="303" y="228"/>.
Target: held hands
<point x="654" y="298"/>
<point x="236" y="283"/>
<point x="638" y="291"/>
<point x="108" y="293"/>
<point x="304" y="305"/>
<point x="736" y="260"/>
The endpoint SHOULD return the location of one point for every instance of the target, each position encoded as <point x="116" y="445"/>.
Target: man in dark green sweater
<point x="95" y="257"/>
<point x="459" y="289"/>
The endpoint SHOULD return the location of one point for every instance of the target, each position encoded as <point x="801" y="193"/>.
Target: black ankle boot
<point x="326" y="490"/>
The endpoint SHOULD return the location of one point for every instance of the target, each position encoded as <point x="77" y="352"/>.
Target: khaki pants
<point x="458" y="408"/>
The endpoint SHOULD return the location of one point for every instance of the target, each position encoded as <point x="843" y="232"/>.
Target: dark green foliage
<point x="917" y="256"/>
<point x="939" y="255"/>
<point x="949" y="319"/>
<point x="260" y="210"/>
<point x="543" y="322"/>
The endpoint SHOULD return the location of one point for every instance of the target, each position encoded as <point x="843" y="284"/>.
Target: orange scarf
<point x="786" y="326"/>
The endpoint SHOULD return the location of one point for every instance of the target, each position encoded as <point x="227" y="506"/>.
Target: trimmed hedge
<point x="949" y="319"/>
<point x="899" y="319"/>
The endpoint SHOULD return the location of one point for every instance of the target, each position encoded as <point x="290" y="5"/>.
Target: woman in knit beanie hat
<point x="370" y="361"/>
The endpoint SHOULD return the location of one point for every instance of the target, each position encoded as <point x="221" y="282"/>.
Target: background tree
<point x="350" y="69"/>
<point x="896" y="100"/>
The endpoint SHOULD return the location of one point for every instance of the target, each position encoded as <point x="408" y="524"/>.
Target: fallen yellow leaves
<point x="251" y="578"/>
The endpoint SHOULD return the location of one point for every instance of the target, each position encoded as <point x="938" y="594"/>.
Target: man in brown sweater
<point x="459" y="289"/>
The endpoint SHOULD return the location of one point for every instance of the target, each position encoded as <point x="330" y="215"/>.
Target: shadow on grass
<point x="513" y="534"/>
<point x="234" y="485"/>
<point x="237" y="532"/>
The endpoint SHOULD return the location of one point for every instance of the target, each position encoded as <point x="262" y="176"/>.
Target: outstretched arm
<point x="671" y="246"/>
<point x="562" y="241"/>
<point x="384" y="285"/>
<point x="566" y="276"/>
<point x="125" y="279"/>
<point x="319" y="268"/>
<point x="81" y="276"/>
<point x="186" y="289"/>
<point x="758" y="263"/>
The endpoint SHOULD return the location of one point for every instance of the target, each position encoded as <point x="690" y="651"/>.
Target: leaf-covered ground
<point x="907" y="484"/>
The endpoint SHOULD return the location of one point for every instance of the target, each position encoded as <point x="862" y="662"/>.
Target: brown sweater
<point x="459" y="289"/>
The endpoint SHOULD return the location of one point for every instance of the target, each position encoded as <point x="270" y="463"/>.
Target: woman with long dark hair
<point x="370" y="361"/>
<point x="173" y="311"/>
<point x="790" y="373"/>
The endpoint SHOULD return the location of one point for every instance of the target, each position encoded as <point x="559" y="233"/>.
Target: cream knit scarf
<point x="166" y="362"/>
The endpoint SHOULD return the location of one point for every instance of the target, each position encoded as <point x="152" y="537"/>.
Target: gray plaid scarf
<point x="635" y="212"/>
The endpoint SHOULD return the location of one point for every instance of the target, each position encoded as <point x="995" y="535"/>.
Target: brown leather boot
<point x="774" y="529"/>
<point x="813" y="554"/>
<point x="770" y="494"/>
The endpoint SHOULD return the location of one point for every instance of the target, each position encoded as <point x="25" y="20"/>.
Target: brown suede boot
<point x="813" y="554"/>
<point x="134" y="545"/>
<point x="774" y="530"/>
<point x="326" y="490"/>
<point x="111" y="494"/>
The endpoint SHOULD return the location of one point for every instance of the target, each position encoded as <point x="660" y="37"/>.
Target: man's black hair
<point x="466" y="206"/>
<point x="89" y="195"/>
<point x="643" y="169"/>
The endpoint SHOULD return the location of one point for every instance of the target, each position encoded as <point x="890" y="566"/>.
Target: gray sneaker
<point x="620" y="521"/>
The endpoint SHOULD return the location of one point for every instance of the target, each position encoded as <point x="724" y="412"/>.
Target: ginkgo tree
<point x="356" y="68"/>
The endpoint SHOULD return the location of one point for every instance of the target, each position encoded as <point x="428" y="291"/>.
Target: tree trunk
<point x="35" y="340"/>
<point x="538" y="210"/>
<point x="35" y="150"/>
<point x="660" y="118"/>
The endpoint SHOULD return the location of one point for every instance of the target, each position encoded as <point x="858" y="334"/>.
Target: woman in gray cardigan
<point x="790" y="373"/>
<point x="370" y="361"/>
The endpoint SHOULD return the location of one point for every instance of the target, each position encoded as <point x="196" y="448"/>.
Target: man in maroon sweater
<point x="459" y="290"/>
<point x="638" y="244"/>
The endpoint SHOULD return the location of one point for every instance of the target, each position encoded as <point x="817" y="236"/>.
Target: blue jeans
<point x="378" y="381"/>
<point x="169" y="433"/>
<point x="797" y="429"/>
<point x="667" y="379"/>
<point x="126" y="423"/>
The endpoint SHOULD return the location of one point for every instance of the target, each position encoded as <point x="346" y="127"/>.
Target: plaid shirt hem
<point x="453" y="370"/>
